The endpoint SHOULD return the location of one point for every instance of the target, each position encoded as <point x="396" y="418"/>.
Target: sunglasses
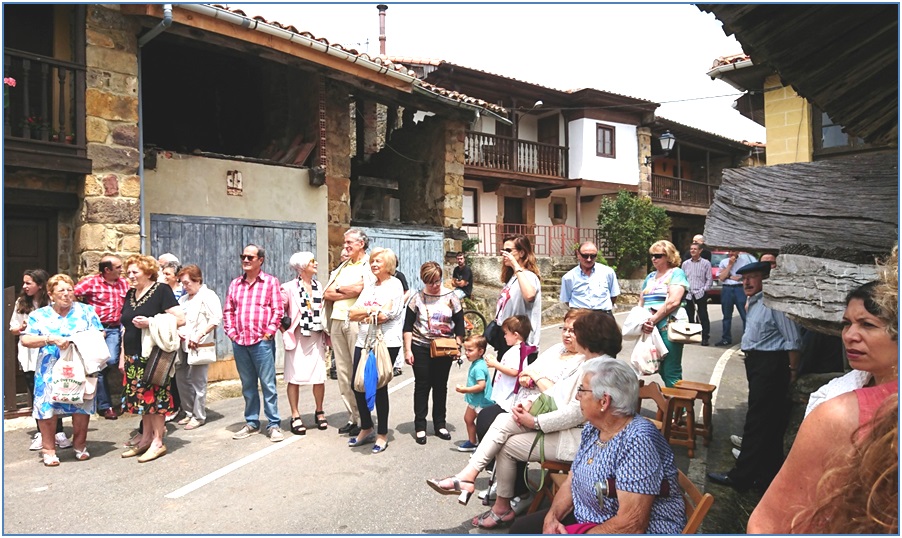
<point x="248" y="257"/>
<point x="508" y="250"/>
<point x="588" y="256"/>
<point x="657" y="256"/>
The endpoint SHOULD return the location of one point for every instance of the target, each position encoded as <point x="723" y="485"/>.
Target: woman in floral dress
<point x="49" y="329"/>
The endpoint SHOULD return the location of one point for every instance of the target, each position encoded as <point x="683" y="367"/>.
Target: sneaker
<point x="275" y="434"/>
<point x="736" y="453"/>
<point x="245" y="432"/>
<point x="467" y="447"/>
<point x="62" y="441"/>
<point x="172" y="416"/>
<point x="37" y="442"/>
<point x="520" y="504"/>
<point x="736" y="440"/>
<point x="490" y="493"/>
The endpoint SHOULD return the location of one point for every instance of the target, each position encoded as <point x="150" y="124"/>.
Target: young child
<point x="478" y="390"/>
<point x="516" y="331"/>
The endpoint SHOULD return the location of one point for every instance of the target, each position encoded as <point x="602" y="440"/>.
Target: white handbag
<point x="203" y="354"/>
<point x="683" y="332"/>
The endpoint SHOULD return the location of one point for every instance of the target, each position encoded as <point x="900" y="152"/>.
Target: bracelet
<point x="535" y="425"/>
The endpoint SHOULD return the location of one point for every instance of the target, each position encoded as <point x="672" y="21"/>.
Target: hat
<point x="756" y="267"/>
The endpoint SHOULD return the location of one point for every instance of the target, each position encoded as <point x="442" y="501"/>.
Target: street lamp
<point x="667" y="142"/>
<point x="538" y="104"/>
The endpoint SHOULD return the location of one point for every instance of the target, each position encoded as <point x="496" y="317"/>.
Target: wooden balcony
<point x="678" y="191"/>
<point x="44" y="119"/>
<point x="556" y="240"/>
<point x="516" y="156"/>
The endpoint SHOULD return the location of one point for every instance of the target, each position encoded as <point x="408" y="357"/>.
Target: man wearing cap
<point x="590" y="285"/>
<point x="771" y="343"/>
<point x="731" y="293"/>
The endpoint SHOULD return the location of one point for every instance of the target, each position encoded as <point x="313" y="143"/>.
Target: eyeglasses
<point x="588" y="256"/>
<point x="580" y="390"/>
<point x="567" y="330"/>
<point x="508" y="250"/>
<point x="436" y="283"/>
<point x="248" y="257"/>
<point x="657" y="255"/>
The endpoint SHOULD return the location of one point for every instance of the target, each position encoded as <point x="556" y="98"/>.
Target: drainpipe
<point x="143" y="40"/>
<point x="382" y="8"/>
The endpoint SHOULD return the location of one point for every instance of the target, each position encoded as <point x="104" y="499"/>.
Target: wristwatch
<point x="337" y="289"/>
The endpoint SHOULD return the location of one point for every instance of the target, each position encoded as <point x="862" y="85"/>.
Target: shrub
<point x="630" y="225"/>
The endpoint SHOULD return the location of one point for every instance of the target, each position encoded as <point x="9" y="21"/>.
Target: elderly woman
<point x="522" y="291"/>
<point x="512" y="435"/>
<point x="33" y="296"/>
<point x="49" y="329"/>
<point x="304" y="339"/>
<point x="623" y="479"/>
<point x="434" y="312"/>
<point x="870" y="339"/>
<point x="203" y="313"/>
<point x="384" y="300"/>
<point x="146" y="299"/>
<point x="662" y="294"/>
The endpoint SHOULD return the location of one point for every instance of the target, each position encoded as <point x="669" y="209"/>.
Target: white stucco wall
<point x="196" y="186"/>
<point x="584" y="164"/>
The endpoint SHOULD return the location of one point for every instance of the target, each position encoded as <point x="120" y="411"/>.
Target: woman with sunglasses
<point x="662" y="295"/>
<point x="522" y="291"/>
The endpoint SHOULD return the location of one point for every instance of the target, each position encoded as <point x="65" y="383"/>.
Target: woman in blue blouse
<point x="623" y="479"/>
<point x="662" y="294"/>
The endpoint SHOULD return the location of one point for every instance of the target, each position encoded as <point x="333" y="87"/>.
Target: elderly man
<point x="731" y="293"/>
<point x="698" y="271"/>
<point x="251" y="315"/>
<point x="345" y="284"/>
<point x="590" y="285"/>
<point x="771" y="344"/>
<point x="106" y="291"/>
<point x="699" y="239"/>
<point x="770" y="258"/>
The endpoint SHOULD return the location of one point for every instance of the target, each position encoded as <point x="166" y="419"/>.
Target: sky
<point x="658" y="52"/>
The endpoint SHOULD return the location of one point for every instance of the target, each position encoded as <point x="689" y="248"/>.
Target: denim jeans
<point x="258" y="361"/>
<point x="730" y="296"/>
<point x="113" y="339"/>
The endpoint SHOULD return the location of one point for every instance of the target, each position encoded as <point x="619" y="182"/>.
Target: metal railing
<point x="47" y="102"/>
<point x="681" y="191"/>
<point x="506" y="153"/>
<point x="547" y="240"/>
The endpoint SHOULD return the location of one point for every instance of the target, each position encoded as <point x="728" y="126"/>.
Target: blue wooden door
<point x="413" y="246"/>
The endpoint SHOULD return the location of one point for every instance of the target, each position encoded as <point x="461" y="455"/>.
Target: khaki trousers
<point x="344" y="337"/>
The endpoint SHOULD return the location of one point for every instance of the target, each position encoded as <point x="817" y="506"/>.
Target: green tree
<point x="629" y="225"/>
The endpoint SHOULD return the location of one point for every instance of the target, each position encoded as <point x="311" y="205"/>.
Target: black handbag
<point x="159" y="367"/>
<point x="494" y="335"/>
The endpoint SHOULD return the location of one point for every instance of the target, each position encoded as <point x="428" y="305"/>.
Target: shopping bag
<point x="68" y="378"/>
<point x="645" y="359"/>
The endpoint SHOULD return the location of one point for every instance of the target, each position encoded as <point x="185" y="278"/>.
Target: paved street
<point x="314" y="484"/>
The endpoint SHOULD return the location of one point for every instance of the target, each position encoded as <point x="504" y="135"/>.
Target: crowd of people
<point x="575" y="400"/>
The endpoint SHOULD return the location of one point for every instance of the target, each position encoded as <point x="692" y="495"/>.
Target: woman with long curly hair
<point x="522" y="291"/>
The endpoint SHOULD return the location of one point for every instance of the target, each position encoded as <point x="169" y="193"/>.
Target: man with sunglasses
<point x="590" y="285"/>
<point x="250" y="318"/>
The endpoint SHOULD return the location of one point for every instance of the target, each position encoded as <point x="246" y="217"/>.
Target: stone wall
<point x="108" y="220"/>
<point x="338" y="165"/>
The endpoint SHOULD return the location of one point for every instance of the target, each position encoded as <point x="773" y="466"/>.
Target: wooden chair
<point x="652" y="391"/>
<point x="704" y="393"/>
<point x="682" y="434"/>
<point x="697" y="505"/>
<point x="557" y="474"/>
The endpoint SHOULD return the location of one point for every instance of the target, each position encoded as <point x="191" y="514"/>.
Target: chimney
<point x="382" y="8"/>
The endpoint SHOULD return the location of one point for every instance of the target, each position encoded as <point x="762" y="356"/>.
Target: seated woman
<point x="511" y="436"/>
<point x="623" y="479"/>
<point x="871" y="344"/>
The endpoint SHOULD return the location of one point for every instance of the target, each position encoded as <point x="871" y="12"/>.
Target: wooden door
<point x="549" y="161"/>
<point x="413" y="246"/>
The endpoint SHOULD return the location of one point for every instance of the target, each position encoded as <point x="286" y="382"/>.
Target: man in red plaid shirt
<point x="106" y="291"/>
<point x="251" y="315"/>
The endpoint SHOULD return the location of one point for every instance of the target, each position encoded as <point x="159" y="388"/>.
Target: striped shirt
<point x="767" y="329"/>
<point x="253" y="309"/>
<point x="699" y="275"/>
<point x="106" y="298"/>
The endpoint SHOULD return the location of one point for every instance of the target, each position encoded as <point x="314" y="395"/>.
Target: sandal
<point x="82" y="455"/>
<point x="297" y="426"/>
<point x="50" y="460"/>
<point x="465" y="495"/>
<point x="499" y="521"/>
<point x="321" y="423"/>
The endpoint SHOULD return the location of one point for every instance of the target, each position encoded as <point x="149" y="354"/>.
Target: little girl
<point x="507" y="370"/>
<point x="478" y="390"/>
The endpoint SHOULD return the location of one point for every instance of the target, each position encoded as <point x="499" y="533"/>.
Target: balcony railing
<point x="554" y="240"/>
<point x="506" y="153"/>
<point x="681" y="191"/>
<point x="47" y="104"/>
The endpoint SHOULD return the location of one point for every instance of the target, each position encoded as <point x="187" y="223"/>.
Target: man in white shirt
<point x="731" y="293"/>
<point x="590" y="285"/>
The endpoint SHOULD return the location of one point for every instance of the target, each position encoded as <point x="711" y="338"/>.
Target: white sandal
<point x="50" y="460"/>
<point x="82" y="455"/>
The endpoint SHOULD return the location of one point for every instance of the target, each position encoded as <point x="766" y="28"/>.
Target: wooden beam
<point x="367" y="181"/>
<point x="34" y="198"/>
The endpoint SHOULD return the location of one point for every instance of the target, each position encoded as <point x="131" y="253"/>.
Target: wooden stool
<point x="682" y="435"/>
<point x="557" y="474"/>
<point x="705" y="394"/>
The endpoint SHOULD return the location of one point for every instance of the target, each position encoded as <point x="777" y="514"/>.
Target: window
<point x="604" y="141"/>
<point x="830" y="138"/>
<point x="470" y="207"/>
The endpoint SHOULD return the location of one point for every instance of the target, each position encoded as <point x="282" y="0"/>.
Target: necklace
<point x="601" y="446"/>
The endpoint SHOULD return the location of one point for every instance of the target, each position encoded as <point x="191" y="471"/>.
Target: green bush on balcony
<point x="630" y="224"/>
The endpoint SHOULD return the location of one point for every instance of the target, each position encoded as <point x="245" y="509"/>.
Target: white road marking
<point x="717" y="373"/>
<point x="201" y="482"/>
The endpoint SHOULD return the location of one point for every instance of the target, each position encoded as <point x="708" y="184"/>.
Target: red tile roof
<point x="732" y="59"/>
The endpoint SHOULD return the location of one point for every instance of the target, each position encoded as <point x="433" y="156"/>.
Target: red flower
<point x="148" y="396"/>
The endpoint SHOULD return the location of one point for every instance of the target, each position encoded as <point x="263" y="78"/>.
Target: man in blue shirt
<point x="771" y="343"/>
<point x="590" y="285"/>
<point x="731" y="293"/>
